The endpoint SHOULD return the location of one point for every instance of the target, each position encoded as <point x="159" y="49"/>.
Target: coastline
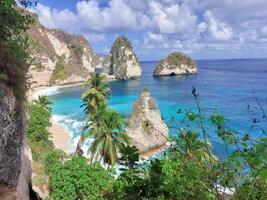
<point x="60" y="134"/>
<point x="61" y="137"/>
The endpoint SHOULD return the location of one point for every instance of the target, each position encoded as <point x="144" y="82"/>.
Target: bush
<point x="59" y="72"/>
<point x="39" y="123"/>
<point x="75" y="179"/>
<point x="52" y="159"/>
<point x="13" y="47"/>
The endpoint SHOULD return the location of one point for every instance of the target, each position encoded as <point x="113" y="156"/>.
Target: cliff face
<point x="176" y="64"/>
<point x="121" y="61"/>
<point x="15" y="158"/>
<point x="60" y="58"/>
<point x="147" y="131"/>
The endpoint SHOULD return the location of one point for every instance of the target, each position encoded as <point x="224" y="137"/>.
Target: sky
<point x="203" y="29"/>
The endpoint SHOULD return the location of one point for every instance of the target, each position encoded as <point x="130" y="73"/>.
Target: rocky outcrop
<point x="176" y="64"/>
<point x="15" y="158"/>
<point x="59" y="58"/>
<point x="122" y="61"/>
<point x="147" y="130"/>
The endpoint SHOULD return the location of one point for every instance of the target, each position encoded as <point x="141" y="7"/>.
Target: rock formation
<point x="147" y="130"/>
<point x="122" y="61"/>
<point x="15" y="157"/>
<point x="176" y="64"/>
<point x="59" y="58"/>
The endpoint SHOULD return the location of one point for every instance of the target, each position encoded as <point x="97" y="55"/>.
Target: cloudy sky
<point x="206" y="29"/>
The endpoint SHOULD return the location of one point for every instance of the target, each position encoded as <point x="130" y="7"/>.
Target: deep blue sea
<point x="225" y="86"/>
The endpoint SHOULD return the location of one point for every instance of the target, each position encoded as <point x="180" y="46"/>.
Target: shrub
<point x="75" y="179"/>
<point x="59" y="72"/>
<point x="39" y="123"/>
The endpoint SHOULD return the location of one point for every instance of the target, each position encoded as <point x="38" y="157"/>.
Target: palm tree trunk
<point x="79" y="151"/>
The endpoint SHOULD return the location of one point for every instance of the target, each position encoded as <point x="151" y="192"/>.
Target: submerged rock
<point x="147" y="130"/>
<point x="122" y="61"/>
<point x="176" y="64"/>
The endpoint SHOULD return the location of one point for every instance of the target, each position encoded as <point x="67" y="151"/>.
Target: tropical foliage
<point x="97" y="92"/>
<point x="75" y="179"/>
<point x="108" y="135"/>
<point x="14" y="59"/>
<point x="104" y="125"/>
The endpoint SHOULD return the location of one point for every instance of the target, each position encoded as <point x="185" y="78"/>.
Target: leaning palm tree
<point x="44" y="102"/>
<point x="108" y="136"/>
<point x="97" y="92"/>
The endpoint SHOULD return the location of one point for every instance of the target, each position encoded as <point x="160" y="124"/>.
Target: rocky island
<point x="147" y="130"/>
<point x="176" y="64"/>
<point x="121" y="62"/>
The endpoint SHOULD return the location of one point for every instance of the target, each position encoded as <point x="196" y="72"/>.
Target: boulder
<point x="147" y="130"/>
<point x="176" y="64"/>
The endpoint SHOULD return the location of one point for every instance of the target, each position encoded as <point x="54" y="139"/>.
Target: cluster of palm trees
<point x="103" y="124"/>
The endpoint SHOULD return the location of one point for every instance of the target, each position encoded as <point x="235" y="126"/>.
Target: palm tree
<point x="108" y="136"/>
<point x="97" y="92"/>
<point x="189" y="146"/>
<point x="44" y="102"/>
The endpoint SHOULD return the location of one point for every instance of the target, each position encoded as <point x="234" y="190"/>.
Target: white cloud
<point x="185" y="25"/>
<point x="118" y="16"/>
<point x="172" y="18"/>
<point x="53" y="18"/>
<point x="215" y="29"/>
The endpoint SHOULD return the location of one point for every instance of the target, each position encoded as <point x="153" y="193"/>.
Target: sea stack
<point x="176" y="64"/>
<point x="121" y="62"/>
<point x="147" y="130"/>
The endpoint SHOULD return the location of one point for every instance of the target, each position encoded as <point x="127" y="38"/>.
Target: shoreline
<point x="60" y="135"/>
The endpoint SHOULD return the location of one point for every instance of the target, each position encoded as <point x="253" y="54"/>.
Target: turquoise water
<point x="227" y="86"/>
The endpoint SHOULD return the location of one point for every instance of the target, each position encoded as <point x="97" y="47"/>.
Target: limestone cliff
<point x="15" y="157"/>
<point x="176" y="64"/>
<point x="121" y="62"/>
<point x="147" y="130"/>
<point x="59" y="58"/>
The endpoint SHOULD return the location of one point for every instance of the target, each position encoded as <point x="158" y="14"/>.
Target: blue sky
<point x="204" y="29"/>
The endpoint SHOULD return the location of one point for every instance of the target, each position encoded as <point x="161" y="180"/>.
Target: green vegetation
<point x="108" y="135"/>
<point x="14" y="59"/>
<point x="121" y="41"/>
<point x="45" y="156"/>
<point x="106" y="125"/>
<point x="189" y="169"/>
<point x="178" y="58"/>
<point x="59" y="72"/>
<point x="75" y="179"/>
<point x="146" y="90"/>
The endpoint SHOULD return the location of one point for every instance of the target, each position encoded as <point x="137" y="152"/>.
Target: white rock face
<point x="147" y="130"/>
<point x="60" y="58"/>
<point x="176" y="64"/>
<point x="122" y="61"/>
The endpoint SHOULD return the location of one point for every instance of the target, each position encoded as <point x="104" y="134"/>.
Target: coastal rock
<point x="176" y="64"/>
<point x="59" y="58"/>
<point x="122" y="61"/>
<point x="15" y="157"/>
<point x="147" y="130"/>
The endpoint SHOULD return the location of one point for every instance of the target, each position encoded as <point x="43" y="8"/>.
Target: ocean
<point x="225" y="86"/>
